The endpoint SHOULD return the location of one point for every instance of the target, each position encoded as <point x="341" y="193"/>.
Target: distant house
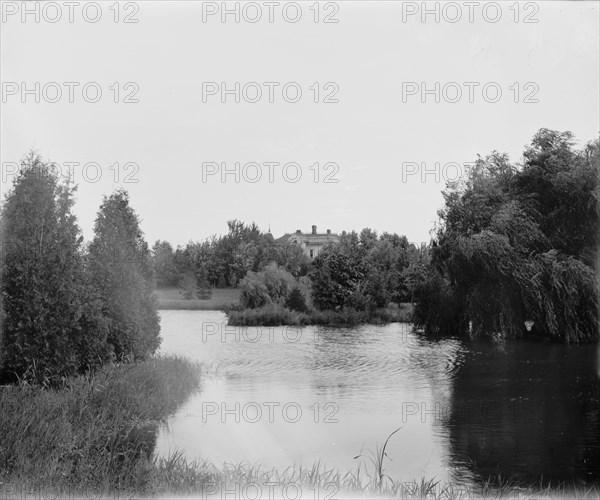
<point x="311" y="243"/>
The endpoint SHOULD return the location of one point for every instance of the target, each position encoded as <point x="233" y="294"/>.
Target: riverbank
<point x="176" y="477"/>
<point x="96" y="433"/>
<point x="193" y="479"/>
<point x="277" y="315"/>
<point x="221" y="299"/>
<point x="95" y="438"/>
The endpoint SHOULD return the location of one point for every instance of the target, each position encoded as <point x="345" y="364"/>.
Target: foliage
<point x="414" y="273"/>
<point x="203" y="290"/>
<point x="272" y="285"/>
<point x="338" y="276"/>
<point x="228" y="258"/>
<point x="292" y="258"/>
<point x="519" y="244"/>
<point x="52" y="322"/>
<point x="121" y="269"/>
<point x="97" y="432"/>
<point x="363" y="271"/>
<point x="295" y="300"/>
<point x="163" y="263"/>
<point x="277" y="315"/>
<point x="187" y="286"/>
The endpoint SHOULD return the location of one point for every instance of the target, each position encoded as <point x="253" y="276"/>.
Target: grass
<point x="276" y="315"/>
<point x="222" y="298"/>
<point x="95" y="433"/>
<point x="94" y="439"/>
<point x="200" y="479"/>
<point x="377" y="459"/>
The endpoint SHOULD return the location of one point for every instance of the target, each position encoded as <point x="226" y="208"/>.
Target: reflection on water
<point x="528" y="411"/>
<point x="467" y="410"/>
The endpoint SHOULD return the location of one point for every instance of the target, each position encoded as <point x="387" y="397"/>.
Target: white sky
<point x="369" y="53"/>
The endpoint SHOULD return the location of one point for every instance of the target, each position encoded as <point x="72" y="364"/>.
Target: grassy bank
<point x="222" y="298"/>
<point x="276" y="315"/>
<point x="94" y="438"/>
<point x="96" y="433"/>
<point x="192" y="479"/>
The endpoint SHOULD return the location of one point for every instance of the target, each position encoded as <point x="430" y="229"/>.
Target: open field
<point x="222" y="298"/>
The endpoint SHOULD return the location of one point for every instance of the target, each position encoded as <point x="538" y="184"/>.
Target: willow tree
<point x="51" y="321"/>
<point x="514" y="246"/>
<point x="121" y="268"/>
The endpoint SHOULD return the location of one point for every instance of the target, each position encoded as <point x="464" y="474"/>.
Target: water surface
<point x="467" y="410"/>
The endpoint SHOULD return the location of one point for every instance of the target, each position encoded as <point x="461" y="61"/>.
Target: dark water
<point x="467" y="410"/>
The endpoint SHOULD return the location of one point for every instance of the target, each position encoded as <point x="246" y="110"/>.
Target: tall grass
<point x="175" y="475"/>
<point x="377" y="459"/>
<point x="95" y="433"/>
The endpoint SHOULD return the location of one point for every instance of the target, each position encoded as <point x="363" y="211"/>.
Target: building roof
<point x="309" y="238"/>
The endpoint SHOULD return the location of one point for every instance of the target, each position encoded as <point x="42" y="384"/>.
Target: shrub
<point x="272" y="285"/>
<point x="277" y="315"/>
<point x="295" y="301"/>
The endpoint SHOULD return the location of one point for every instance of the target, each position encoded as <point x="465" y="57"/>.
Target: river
<point x="467" y="410"/>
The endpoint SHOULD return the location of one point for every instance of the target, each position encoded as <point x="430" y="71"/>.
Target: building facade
<point x="311" y="243"/>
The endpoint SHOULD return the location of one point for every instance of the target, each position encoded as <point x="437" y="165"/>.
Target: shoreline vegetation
<point x="228" y="301"/>
<point x="96" y="436"/>
<point x="96" y="432"/>
<point x="278" y="315"/>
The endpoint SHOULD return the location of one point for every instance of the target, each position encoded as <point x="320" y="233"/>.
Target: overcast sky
<point x="373" y="132"/>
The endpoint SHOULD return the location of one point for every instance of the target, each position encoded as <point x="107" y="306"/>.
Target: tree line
<point x="223" y="261"/>
<point x="515" y="254"/>
<point x="373" y="269"/>
<point x="67" y="307"/>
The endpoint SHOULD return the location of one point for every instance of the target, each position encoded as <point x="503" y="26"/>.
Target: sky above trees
<point x="369" y="134"/>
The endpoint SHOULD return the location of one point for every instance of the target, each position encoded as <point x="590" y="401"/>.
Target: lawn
<point x="170" y="298"/>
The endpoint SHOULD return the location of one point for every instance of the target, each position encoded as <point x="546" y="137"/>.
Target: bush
<point x="272" y="285"/>
<point x="295" y="301"/>
<point x="277" y="315"/>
